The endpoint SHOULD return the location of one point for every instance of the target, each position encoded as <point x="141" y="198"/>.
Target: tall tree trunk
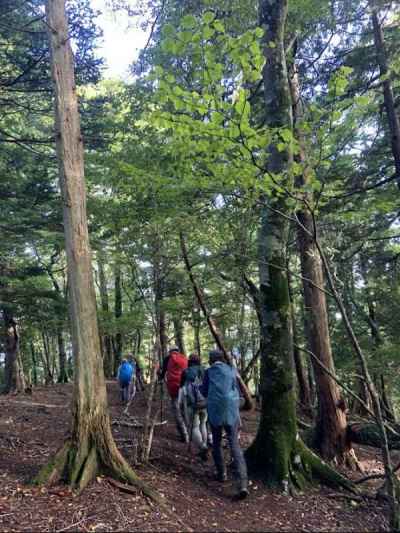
<point x="91" y="447"/>
<point x="108" y="359"/>
<point x="277" y="453"/>
<point x="34" y="364"/>
<point x="13" y="374"/>
<point x="62" y="357"/>
<point x="304" y="394"/>
<point x="178" y="334"/>
<point x="48" y="378"/>
<point x="118" y="315"/>
<point x="196" y="322"/>
<point x="330" y="437"/>
<point x="158" y="302"/>
<point x="388" y="98"/>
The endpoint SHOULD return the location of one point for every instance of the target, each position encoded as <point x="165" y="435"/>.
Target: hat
<point x="216" y="355"/>
<point x="194" y="359"/>
<point x="173" y="349"/>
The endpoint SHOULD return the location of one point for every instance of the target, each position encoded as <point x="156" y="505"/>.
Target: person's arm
<point x="164" y="368"/>
<point x="204" y="385"/>
<point x="183" y="379"/>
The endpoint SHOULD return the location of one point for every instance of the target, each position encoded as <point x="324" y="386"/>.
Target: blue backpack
<point x="125" y="373"/>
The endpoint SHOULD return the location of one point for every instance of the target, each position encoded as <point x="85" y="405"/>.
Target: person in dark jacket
<point x="138" y="373"/>
<point x="173" y="366"/>
<point x="194" y="409"/>
<point x="220" y="387"/>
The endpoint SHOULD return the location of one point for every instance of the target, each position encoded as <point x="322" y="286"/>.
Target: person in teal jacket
<point x="221" y="389"/>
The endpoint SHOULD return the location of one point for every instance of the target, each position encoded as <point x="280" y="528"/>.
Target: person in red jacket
<point x="173" y="366"/>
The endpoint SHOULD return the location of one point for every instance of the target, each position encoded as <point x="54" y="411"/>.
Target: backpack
<point x="194" y="397"/>
<point x="176" y="365"/>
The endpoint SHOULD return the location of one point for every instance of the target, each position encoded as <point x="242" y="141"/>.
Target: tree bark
<point x="304" y="394"/>
<point x="108" y="359"/>
<point x="34" y="364"/>
<point x="178" y="334"/>
<point x="48" y="378"/>
<point x="118" y="315"/>
<point x="330" y="438"/>
<point x="13" y="374"/>
<point x="91" y="447"/>
<point x="62" y="356"/>
<point x="196" y="322"/>
<point x="388" y="98"/>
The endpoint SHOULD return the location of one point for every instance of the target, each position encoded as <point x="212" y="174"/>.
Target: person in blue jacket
<point x="221" y="389"/>
<point x="125" y="377"/>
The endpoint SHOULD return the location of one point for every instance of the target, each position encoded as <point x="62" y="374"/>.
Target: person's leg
<point x="217" y="452"/>
<point x="196" y="436"/>
<point x="239" y="462"/>
<point x="124" y="392"/>
<point x="203" y="425"/>
<point x="180" y="423"/>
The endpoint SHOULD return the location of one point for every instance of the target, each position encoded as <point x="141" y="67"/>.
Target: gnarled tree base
<point x="78" y="466"/>
<point x="296" y="469"/>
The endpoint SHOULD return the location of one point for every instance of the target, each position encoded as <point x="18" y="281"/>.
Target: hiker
<point x="132" y="384"/>
<point x="138" y="374"/>
<point x="173" y="366"/>
<point x="221" y="388"/>
<point x="194" y="404"/>
<point x="125" y="376"/>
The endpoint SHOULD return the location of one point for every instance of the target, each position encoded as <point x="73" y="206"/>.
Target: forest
<point x="236" y="193"/>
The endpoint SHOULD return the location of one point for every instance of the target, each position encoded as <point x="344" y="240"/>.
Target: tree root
<point x="320" y="470"/>
<point x="303" y="468"/>
<point x="79" y="469"/>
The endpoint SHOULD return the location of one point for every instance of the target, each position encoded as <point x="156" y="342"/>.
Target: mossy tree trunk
<point x="91" y="447"/>
<point x="277" y="453"/>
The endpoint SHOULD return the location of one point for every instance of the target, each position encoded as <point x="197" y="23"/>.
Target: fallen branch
<point x="135" y="424"/>
<point x="31" y="404"/>
<point x="375" y="476"/>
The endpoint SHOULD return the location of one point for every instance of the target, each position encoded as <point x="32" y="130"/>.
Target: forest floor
<point x="34" y="427"/>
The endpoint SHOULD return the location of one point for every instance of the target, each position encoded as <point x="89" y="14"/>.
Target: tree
<point x="277" y="451"/>
<point x="91" y="447"/>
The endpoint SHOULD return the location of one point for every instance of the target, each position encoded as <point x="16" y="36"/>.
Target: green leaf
<point x="188" y="21"/>
<point x="208" y="17"/>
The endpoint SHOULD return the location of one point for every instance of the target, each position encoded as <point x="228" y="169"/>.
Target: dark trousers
<point x="124" y="387"/>
<point x="239" y="464"/>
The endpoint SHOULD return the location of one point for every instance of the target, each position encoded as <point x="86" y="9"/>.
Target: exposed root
<point x="320" y="470"/>
<point x="79" y="470"/>
<point x="303" y="467"/>
<point x="53" y="471"/>
<point x="89" y="470"/>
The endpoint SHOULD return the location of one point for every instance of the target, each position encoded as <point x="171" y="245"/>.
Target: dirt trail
<point x="32" y="428"/>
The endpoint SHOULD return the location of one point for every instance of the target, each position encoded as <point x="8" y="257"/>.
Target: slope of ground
<point x="32" y="428"/>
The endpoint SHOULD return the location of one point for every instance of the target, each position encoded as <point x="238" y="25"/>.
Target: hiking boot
<point x="203" y="454"/>
<point x="242" y="494"/>
<point x="221" y="477"/>
<point x="243" y="490"/>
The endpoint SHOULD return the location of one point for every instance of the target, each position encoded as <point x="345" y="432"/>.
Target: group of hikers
<point x="201" y="400"/>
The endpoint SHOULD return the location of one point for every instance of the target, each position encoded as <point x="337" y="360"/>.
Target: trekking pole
<point x="191" y="430"/>
<point x="161" y="401"/>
